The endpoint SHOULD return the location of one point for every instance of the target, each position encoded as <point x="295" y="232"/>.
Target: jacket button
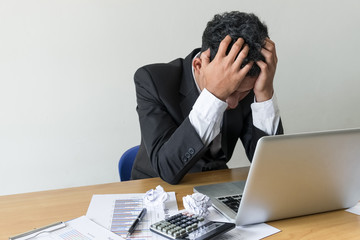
<point x="191" y="151"/>
<point x="187" y="155"/>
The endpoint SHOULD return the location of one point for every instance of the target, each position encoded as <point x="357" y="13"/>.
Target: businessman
<point x="192" y="111"/>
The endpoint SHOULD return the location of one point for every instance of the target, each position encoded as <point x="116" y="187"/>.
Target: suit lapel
<point x="187" y="86"/>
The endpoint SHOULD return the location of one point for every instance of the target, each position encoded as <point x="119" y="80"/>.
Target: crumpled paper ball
<point x="197" y="203"/>
<point x="156" y="198"/>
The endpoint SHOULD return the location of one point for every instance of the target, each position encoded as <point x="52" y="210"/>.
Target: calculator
<point x="190" y="226"/>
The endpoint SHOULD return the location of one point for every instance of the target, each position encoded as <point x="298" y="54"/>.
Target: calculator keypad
<point x="191" y="227"/>
<point x="177" y="226"/>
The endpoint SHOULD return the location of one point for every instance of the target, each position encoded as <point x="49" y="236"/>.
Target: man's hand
<point x="263" y="87"/>
<point x="223" y="75"/>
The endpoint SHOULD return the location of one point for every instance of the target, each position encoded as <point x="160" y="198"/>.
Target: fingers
<point x="205" y="57"/>
<point x="269" y="51"/>
<point x="268" y="67"/>
<point x="269" y="41"/>
<point x="247" y="68"/>
<point x="237" y="53"/>
<point x="263" y="87"/>
<point x="241" y="56"/>
<point x="262" y="65"/>
<point x="241" y="73"/>
<point x="235" y="49"/>
<point x="223" y="75"/>
<point x="224" y="44"/>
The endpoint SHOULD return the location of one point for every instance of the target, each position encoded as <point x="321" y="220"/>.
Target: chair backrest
<point x="126" y="162"/>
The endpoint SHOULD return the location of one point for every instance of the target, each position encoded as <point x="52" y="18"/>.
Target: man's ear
<point x="197" y="64"/>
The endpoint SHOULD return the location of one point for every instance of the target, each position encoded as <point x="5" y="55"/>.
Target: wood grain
<point x="23" y="212"/>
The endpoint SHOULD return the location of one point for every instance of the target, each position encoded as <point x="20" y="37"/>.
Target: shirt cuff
<point x="266" y="115"/>
<point x="206" y="115"/>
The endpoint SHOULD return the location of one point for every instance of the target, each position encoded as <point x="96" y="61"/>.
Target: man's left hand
<point x="263" y="87"/>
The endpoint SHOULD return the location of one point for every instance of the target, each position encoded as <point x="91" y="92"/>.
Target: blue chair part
<point x="126" y="162"/>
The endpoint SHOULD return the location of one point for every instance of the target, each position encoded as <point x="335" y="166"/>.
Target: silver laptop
<point x="293" y="175"/>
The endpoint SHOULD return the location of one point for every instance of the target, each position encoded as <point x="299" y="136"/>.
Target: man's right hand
<point x="223" y="75"/>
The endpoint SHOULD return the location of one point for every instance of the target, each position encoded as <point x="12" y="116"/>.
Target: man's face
<point x="245" y="87"/>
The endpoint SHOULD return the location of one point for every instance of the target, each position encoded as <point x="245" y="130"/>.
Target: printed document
<point x="80" y="228"/>
<point x="117" y="212"/>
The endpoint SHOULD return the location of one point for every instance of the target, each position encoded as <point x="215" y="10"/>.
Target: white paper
<point x="156" y="197"/>
<point x="355" y="209"/>
<point x="111" y="212"/>
<point x="249" y="232"/>
<point x="197" y="203"/>
<point x="80" y="228"/>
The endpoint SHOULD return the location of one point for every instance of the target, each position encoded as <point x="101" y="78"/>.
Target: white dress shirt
<point x="207" y="112"/>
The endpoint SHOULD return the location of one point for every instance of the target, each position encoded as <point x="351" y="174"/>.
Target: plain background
<point x="67" y="98"/>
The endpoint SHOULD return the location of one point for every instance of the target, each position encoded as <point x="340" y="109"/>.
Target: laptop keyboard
<point x="232" y="201"/>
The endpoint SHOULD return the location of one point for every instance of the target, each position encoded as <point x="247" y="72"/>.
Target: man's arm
<point x="223" y="76"/>
<point x="206" y="116"/>
<point x="173" y="148"/>
<point x="264" y="120"/>
<point x="265" y="112"/>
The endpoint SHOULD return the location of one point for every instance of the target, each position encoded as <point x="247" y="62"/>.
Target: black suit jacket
<point x="170" y="146"/>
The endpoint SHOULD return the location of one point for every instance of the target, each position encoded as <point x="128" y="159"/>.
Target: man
<point x="192" y="111"/>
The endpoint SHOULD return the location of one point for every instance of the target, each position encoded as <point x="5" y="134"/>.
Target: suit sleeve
<point x="265" y="119"/>
<point x="251" y="135"/>
<point x="173" y="148"/>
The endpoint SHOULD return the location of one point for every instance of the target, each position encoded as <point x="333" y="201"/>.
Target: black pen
<point x="136" y="222"/>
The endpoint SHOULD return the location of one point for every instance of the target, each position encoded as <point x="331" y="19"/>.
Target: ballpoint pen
<point x="136" y="222"/>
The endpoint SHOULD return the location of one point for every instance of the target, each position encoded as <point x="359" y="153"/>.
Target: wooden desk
<point x="23" y="212"/>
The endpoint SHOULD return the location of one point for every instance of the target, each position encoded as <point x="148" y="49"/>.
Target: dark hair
<point x="237" y="25"/>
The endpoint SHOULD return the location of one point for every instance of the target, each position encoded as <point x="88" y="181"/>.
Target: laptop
<point x="293" y="175"/>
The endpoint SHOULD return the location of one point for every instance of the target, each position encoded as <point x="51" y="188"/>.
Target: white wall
<point x="67" y="99"/>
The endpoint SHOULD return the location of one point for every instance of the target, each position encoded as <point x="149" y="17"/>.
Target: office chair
<point x="126" y="162"/>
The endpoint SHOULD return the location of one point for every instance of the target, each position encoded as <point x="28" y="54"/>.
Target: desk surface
<point x="23" y="212"/>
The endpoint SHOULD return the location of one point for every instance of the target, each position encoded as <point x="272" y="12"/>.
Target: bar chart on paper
<point x="125" y="212"/>
<point x="72" y="235"/>
<point x="117" y="212"/>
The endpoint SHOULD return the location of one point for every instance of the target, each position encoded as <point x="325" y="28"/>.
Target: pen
<point x="136" y="222"/>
